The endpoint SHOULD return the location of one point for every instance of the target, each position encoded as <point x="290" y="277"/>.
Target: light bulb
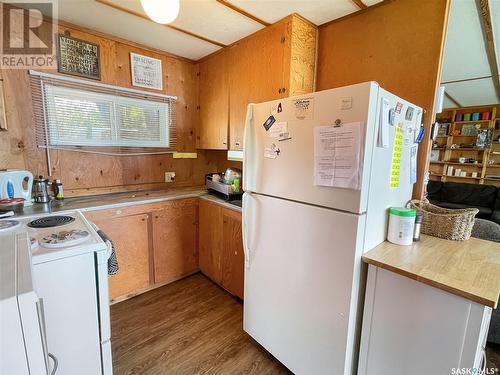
<point x="161" y="11"/>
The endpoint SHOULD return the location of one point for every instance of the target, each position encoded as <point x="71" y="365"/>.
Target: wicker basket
<point x="445" y="223"/>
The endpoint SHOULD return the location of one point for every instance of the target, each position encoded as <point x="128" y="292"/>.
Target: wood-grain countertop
<point x="470" y="269"/>
<point x="222" y="202"/>
<point x="117" y="200"/>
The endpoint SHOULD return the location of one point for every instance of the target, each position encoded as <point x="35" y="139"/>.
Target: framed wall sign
<point x="146" y="72"/>
<point x="78" y="57"/>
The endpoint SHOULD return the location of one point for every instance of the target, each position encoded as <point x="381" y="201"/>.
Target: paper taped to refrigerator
<point x="383" y="126"/>
<point x="413" y="164"/>
<point x="277" y="129"/>
<point x="397" y="154"/>
<point x="337" y="154"/>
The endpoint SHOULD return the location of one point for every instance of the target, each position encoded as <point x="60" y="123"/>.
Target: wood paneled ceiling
<point x="203" y="26"/>
<point x="472" y="52"/>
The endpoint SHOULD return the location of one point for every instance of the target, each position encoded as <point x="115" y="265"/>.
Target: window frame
<point x="51" y="91"/>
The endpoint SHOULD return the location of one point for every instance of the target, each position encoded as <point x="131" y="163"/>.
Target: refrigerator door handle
<point x="245" y="220"/>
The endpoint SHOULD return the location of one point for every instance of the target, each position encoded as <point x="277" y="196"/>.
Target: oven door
<point x="101" y="258"/>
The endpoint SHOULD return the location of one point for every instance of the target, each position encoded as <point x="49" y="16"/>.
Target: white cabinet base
<point x="413" y="328"/>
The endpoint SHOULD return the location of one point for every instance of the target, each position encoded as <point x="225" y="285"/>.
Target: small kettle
<point x="40" y="190"/>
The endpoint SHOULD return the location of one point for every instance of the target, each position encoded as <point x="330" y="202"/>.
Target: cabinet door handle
<point x="283" y="90"/>
<point x="279" y="91"/>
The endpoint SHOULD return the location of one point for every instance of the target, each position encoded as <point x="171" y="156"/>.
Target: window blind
<point x="78" y="115"/>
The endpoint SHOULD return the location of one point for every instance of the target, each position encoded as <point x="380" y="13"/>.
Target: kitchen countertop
<point x="470" y="269"/>
<point x="115" y="200"/>
<point x="222" y="202"/>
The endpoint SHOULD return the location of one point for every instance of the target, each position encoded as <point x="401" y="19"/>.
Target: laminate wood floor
<point x="191" y="326"/>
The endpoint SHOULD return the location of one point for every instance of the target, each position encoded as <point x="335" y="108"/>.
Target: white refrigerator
<point x="320" y="171"/>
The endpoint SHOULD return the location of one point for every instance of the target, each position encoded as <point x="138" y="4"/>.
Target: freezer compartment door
<point x="302" y="282"/>
<point x="288" y="171"/>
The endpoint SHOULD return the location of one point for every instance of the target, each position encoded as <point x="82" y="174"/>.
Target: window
<point x="78" y="117"/>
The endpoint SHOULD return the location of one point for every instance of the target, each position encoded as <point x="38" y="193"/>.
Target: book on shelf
<point x="483" y="139"/>
<point x="470" y="129"/>
<point x="434" y="155"/>
<point x="441" y="129"/>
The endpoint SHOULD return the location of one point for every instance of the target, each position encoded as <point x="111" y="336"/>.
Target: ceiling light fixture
<point x="161" y="11"/>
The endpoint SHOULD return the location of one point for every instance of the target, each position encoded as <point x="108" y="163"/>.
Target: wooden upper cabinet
<point x="210" y="240"/>
<point x="213" y="103"/>
<point x="273" y="63"/>
<point x="233" y="259"/>
<point x="130" y="235"/>
<point x="175" y="239"/>
<point x="256" y="74"/>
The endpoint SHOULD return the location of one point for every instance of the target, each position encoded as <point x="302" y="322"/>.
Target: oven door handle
<point x="56" y="363"/>
<point x="46" y="355"/>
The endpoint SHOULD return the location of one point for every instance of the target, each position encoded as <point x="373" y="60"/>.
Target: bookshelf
<point x="457" y="141"/>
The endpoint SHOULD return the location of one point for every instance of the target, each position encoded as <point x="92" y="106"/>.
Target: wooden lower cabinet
<point x="155" y="243"/>
<point x="210" y="256"/>
<point x="221" y="246"/>
<point x="130" y="236"/>
<point x="175" y="229"/>
<point x="233" y="259"/>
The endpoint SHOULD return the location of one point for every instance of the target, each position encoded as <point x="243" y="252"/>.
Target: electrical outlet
<point x="169" y="176"/>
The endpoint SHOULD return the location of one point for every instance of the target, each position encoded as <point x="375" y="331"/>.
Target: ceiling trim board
<point x="465" y="80"/>
<point x="484" y="11"/>
<point x="303" y="19"/>
<point x="452" y="99"/>
<point x="353" y="14"/>
<point x="360" y="4"/>
<point x="170" y="26"/>
<point x="284" y="19"/>
<point x="242" y="12"/>
<point x="69" y="25"/>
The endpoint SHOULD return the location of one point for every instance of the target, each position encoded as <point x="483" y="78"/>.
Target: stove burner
<point x="8" y="224"/>
<point x="50" y="221"/>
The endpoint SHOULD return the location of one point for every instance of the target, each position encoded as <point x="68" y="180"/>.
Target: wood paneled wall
<point x="399" y="44"/>
<point x="84" y="174"/>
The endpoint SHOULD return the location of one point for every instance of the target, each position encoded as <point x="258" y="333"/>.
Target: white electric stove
<point x="70" y="276"/>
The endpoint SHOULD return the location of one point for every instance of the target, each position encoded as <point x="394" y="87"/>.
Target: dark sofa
<point x="486" y="198"/>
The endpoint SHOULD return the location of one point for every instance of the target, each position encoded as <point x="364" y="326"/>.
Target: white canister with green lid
<point x="401" y="225"/>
